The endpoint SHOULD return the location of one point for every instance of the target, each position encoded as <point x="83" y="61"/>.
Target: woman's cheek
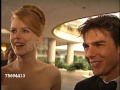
<point x="31" y="45"/>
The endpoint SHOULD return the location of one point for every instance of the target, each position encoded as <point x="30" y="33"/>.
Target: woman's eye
<point x="13" y="31"/>
<point x="26" y="31"/>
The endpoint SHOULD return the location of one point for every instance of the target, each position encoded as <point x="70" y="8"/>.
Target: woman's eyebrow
<point x="19" y="28"/>
<point x="24" y="28"/>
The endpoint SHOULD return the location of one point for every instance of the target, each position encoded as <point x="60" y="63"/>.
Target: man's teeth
<point x="95" y="63"/>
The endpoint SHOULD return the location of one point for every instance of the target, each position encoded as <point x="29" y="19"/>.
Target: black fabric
<point x="110" y="86"/>
<point x="88" y="84"/>
<point x="94" y="83"/>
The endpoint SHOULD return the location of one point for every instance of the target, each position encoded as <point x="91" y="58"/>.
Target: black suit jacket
<point x="91" y="83"/>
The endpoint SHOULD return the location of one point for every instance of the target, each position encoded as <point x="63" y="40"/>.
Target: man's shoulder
<point x="88" y="83"/>
<point x="92" y="79"/>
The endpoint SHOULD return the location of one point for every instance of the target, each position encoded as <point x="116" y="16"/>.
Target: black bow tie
<point x="110" y="86"/>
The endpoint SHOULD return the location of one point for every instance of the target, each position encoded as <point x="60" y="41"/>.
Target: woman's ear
<point x="39" y="39"/>
<point x="119" y="50"/>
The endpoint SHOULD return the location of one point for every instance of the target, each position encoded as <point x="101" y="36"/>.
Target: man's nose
<point x="90" y="52"/>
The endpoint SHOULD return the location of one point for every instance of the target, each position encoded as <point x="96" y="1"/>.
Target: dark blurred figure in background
<point x="3" y="60"/>
<point x="8" y="57"/>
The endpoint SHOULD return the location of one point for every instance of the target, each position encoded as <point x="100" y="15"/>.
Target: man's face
<point x="101" y="52"/>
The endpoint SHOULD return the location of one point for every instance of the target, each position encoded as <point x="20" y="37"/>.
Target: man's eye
<point x="85" y="46"/>
<point x="98" y="45"/>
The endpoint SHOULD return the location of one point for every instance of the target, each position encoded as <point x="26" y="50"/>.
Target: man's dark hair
<point x="103" y="23"/>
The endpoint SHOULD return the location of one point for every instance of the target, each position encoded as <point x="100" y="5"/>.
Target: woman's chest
<point x="29" y="82"/>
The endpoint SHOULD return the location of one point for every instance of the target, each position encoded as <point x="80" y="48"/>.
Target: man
<point x="102" y="50"/>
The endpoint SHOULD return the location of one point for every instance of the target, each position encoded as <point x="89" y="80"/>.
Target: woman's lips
<point x="19" y="44"/>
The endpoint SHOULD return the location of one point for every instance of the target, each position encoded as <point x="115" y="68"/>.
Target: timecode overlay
<point x="14" y="75"/>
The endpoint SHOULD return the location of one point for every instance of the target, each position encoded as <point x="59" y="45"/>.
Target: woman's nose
<point x="18" y="35"/>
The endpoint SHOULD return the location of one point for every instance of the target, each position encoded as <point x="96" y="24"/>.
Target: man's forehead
<point x="97" y="30"/>
<point x="95" y="36"/>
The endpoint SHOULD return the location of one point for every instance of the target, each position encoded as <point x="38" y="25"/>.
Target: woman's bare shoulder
<point x="4" y="70"/>
<point x="50" y="68"/>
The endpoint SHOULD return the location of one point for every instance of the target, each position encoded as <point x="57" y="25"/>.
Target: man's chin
<point x="96" y="73"/>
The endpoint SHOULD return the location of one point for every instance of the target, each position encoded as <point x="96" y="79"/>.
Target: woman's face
<point x="22" y="39"/>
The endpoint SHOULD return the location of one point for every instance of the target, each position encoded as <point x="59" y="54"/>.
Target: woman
<point x="26" y="72"/>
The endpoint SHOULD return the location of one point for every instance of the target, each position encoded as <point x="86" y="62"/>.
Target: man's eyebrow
<point x="101" y="41"/>
<point x="96" y="42"/>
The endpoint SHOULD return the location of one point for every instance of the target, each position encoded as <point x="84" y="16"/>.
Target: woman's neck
<point x="26" y="62"/>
